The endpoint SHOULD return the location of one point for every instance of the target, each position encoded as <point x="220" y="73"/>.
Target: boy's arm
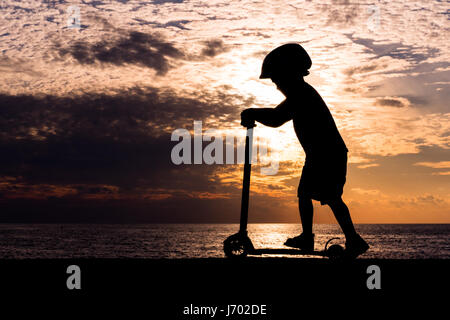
<point x="272" y="117"/>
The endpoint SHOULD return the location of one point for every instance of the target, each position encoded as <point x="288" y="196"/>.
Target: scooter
<point x="239" y="245"/>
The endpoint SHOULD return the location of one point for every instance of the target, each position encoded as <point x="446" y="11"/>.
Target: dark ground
<point x="288" y="286"/>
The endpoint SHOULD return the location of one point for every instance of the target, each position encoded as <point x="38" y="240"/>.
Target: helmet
<point x="288" y="59"/>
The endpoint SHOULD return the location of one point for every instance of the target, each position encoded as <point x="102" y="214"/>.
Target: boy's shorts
<point x="323" y="177"/>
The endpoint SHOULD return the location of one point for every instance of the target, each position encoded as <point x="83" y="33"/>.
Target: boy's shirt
<point x="313" y="122"/>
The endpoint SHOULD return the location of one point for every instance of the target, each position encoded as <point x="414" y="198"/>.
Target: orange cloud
<point x="436" y="165"/>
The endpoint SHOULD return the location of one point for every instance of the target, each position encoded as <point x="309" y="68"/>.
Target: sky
<point x="91" y="92"/>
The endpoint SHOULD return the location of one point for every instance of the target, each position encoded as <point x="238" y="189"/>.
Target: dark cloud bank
<point x="120" y="140"/>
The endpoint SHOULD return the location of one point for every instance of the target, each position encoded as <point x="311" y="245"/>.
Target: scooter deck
<point x="258" y="252"/>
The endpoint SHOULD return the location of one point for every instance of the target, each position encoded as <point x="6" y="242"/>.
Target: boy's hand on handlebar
<point x="247" y="118"/>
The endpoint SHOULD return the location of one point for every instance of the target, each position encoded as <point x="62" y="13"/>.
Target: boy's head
<point x="286" y="62"/>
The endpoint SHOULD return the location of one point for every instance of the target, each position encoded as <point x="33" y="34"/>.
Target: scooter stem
<point x="246" y="180"/>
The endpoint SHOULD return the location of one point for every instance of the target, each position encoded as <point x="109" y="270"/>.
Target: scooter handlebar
<point x="249" y="124"/>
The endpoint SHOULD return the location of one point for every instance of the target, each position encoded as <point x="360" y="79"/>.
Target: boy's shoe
<point x="355" y="247"/>
<point x="302" y="242"/>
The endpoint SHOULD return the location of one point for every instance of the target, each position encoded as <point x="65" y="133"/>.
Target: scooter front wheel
<point x="237" y="246"/>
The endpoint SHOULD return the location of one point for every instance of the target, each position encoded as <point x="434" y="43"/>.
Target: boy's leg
<point x="305" y="241"/>
<point x="354" y="245"/>
<point x="305" y="207"/>
<point x="342" y="214"/>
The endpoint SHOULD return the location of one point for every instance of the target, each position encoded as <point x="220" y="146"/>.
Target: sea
<point x="190" y="241"/>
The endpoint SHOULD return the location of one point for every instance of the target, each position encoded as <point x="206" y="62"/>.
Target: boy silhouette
<point x="324" y="173"/>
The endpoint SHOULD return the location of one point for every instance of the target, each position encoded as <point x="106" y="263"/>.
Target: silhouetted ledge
<point x="219" y="261"/>
<point x="267" y="271"/>
<point x="285" y="285"/>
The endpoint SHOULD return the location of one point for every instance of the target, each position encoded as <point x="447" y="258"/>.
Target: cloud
<point x="175" y="23"/>
<point x="364" y="68"/>
<point x="143" y="49"/>
<point x="396" y="50"/>
<point x="391" y="102"/>
<point x="369" y="165"/>
<point x="442" y="173"/>
<point x="404" y="167"/>
<point x="166" y="1"/>
<point x="428" y="198"/>
<point x="367" y="192"/>
<point x="341" y="13"/>
<point x="414" y="88"/>
<point x="121" y="139"/>
<point x="149" y="50"/>
<point x="11" y="65"/>
<point x="127" y="114"/>
<point x="213" y="48"/>
<point x="436" y="165"/>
